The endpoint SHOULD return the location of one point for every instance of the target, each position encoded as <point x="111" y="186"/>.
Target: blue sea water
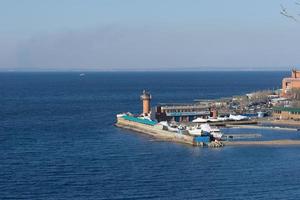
<point x="57" y="140"/>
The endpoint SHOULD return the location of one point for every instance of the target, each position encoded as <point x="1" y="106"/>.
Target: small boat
<point x="124" y="114"/>
<point x="216" y="133"/>
<point x="197" y="131"/>
<point x="223" y="118"/>
<point x="199" y="120"/>
<point x="121" y="115"/>
<point x="172" y="128"/>
<point x="238" y="117"/>
<point x="213" y="120"/>
<point x="145" y="117"/>
<point x="82" y="74"/>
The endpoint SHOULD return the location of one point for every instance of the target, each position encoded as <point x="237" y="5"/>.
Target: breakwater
<point x="262" y="127"/>
<point x="233" y="123"/>
<point x="157" y="133"/>
<point x="154" y="132"/>
<point x="263" y="143"/>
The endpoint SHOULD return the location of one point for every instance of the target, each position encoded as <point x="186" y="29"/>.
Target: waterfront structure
<point x="153" y="129"/>
<point x="146" y="98"/>
<point x="290" y="83"/>
<point x="286" y="113"/>
<point x="181" y="112"/>
<point x="214" y="113"/>
<point x="281" y="101"/>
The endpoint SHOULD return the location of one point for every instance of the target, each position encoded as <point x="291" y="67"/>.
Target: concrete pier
<point x="155" y="132"/>
<point x="263" y="143"/>
<point x="159" y="134"/>
<point x="262" y="127"/>
<point x="233" y="123"/>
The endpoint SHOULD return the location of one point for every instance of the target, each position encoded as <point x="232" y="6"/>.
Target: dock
<point x="241" y="136"/>
<point x="184" y="115"/>
<point x="231" y="123"/>
<point x="163" y="135"/>
<point x="154" y="132"/>
<point x="263" y="127"/>
<point x="263" y="143"/>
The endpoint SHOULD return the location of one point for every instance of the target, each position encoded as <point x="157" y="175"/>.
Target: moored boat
<point x="216" y="133"/>
<point x="213" y="131"/>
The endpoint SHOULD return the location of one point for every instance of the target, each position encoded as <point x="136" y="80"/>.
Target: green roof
<point x="287" y="109"/>
<point x="139" y="120"/>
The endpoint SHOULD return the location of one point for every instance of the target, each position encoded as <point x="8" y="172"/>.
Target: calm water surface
<point x="57" y="141"/>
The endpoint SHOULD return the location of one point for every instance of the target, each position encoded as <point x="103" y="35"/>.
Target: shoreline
<point x="163" y="135"/>
<point x="287" y="142"/>
<point x="281" y="122"/>
<point x="262" y="127"/>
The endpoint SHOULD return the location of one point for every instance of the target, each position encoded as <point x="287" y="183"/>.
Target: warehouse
<point x="286" y="113"/>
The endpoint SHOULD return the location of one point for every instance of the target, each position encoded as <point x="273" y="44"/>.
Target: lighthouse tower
<point x="146" y="98"/>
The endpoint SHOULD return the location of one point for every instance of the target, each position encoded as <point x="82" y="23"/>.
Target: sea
<point x="58" y="140"/>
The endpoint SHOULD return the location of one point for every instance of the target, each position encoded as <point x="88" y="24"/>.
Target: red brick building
<point x="290" y="83"/>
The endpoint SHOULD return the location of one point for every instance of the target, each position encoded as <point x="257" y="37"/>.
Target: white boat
<point x="196" y="131"/>
<point x="205" y="128"/>
<point x="213" y="120"/>
<point x="202" y="130"/>
<point x="223" y="118"/>
<point x="215" y="132"/>
<point x="124" y="114"/>
<point x="145" y="117"/>
<point x="121" y="115"/>
<point x="163" y="123"/>
<point x="199" y="120"/>
<point x="237" y="117"/>
<point x="171" y="128"/>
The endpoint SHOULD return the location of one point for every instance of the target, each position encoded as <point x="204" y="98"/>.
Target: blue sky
<point x="148" y="35"/>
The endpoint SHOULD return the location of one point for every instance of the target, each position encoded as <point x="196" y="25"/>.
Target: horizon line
<point x="144" y="69"/>
<point x="137" y="71"/>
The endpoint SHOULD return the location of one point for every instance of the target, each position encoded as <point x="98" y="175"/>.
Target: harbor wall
<point x="155" y="132"/>
<point x="225" y="123"/>
<point x="263" y="143"/>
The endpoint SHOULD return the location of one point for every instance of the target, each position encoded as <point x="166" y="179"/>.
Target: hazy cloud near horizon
<point x="156" y="45"/>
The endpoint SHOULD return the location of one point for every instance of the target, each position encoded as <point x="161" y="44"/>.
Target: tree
<point x="286" y="13"/>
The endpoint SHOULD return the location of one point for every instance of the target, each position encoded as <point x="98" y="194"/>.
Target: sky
<point x="138" y="35"/>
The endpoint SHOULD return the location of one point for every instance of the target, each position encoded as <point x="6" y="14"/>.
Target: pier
<point x="263" y="127"/>
<point x="263" y="143"/>
<point x="189" y="140"/>
<point x="164" y="135"/>
<point x="154" y="132"/>
<point x="230" y="123"/>
<point x="145" y="123"/>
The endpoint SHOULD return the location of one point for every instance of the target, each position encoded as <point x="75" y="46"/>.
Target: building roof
<point x="279" y="99"/>
<point x="183" y="106"/>
<point x="178" y="114"/>
<point x="287" y="109"/>
<point x="139" y="120"/>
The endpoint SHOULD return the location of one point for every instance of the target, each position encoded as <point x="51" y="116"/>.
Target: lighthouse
<point x="146" y="98"/>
